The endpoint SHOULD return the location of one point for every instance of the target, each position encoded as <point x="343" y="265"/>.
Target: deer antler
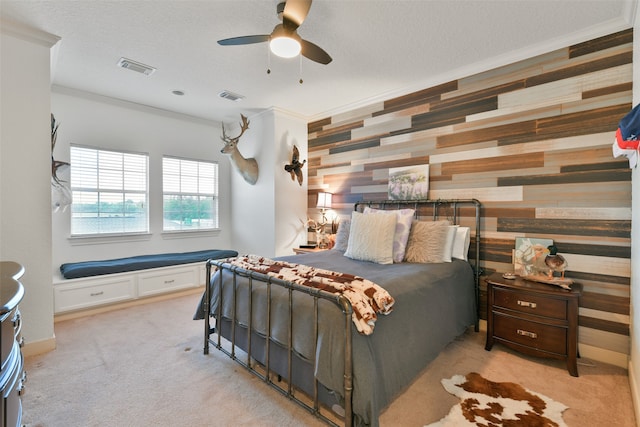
<point x="243" y="127"/>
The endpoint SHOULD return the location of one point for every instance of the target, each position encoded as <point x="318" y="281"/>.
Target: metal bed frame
<point x="263" y="370"/>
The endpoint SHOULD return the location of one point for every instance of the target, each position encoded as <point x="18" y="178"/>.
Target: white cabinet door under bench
<point x="89" y="292"/>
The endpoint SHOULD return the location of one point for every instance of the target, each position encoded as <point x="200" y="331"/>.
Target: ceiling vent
<point x="230" y="96"/>
<point x="136" y="66"/>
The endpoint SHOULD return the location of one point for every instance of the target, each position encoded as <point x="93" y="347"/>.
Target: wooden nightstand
<point x="534" y="318"/>
<point x="299" y="251"/>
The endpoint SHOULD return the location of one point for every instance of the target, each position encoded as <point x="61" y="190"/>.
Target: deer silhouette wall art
<point x="248" y="168"/>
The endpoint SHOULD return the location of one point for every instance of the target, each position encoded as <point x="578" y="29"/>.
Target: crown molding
<point x="65" y="90"/>
<point x="27" y="33"/>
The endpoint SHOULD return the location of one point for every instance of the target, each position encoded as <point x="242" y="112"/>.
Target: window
<point x="190" y="194"/>
<point x="109" y="191"/>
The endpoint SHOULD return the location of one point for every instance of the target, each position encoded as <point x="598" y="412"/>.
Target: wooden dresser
<point x="534" y="318"/>
<point x="12" y="375"/>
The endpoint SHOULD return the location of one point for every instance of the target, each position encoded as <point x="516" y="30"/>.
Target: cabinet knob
<point x="21" y="390"/>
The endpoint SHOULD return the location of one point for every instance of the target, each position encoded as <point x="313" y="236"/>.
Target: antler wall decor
<point x="248" y="168"/>
<point x="60" y="192"/>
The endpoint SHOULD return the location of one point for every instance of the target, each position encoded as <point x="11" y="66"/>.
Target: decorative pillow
<point x="427" y="240"/>
<point x="371" y="238"/>
<point x="448" y="245"/>
<point x="342" y="235"/>
<point x="404" y="218"/>
<point x="461" y="243"/>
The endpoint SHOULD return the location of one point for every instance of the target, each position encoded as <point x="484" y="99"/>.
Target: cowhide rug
<point x="488" y="404"/>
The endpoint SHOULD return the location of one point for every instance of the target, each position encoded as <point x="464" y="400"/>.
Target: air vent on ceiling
<point x="136" y="66"/>
<point x="230" y="96"/>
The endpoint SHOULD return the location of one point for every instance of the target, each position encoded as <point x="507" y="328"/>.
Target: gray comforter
<point x="434" y="303"/>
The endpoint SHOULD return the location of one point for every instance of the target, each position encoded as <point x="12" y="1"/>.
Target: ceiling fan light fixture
<point x="285" y="47"/>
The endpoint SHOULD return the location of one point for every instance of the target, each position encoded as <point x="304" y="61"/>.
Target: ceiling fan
<point x="284" y="41"/>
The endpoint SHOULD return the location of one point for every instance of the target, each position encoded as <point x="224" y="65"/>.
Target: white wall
<point x="252" y="205"/>
<point x="267" y="217"/>
<point x="25" y="171"/>
<point x="290" y="197"/>
<point x="107" y="123"/>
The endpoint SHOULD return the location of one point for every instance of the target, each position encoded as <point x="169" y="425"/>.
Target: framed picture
<point x="409" y="183"/>
<point x="529" y="256"/>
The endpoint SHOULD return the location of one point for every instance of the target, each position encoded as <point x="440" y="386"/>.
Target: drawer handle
<point x="16" y="319"/>
<point x="527" y="334"/>
<point x="527" y="304"/>
<point x="95" y="294"/>
<point x="166" y="282"/>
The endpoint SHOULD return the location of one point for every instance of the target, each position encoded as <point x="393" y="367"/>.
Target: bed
<point x="303" y="341"/>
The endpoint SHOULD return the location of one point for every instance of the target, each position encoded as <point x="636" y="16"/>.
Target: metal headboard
<point x="452" y="206"/>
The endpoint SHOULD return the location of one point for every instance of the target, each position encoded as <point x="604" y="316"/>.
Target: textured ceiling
<point x="379" y="48"/>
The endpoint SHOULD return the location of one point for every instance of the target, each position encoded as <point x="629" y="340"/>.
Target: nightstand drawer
<point x="547" y="338"/>
<point x="532" y="304"/>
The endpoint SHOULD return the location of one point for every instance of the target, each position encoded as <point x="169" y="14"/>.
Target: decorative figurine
<point x="555" y="262"/>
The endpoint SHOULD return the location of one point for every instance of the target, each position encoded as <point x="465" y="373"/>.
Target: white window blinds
<point x="110" y="192"/>
<point x="190" y="194"/>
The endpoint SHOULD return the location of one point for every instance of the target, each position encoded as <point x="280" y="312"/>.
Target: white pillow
<point x="404" y="218"/>
<point x="461" y="243"/>
<point x="448" y="245"/>
<point x="371" y="238"/>
<point x="342" y="235"/>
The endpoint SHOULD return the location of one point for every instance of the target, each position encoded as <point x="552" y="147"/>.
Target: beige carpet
<point x="143" y="366"/>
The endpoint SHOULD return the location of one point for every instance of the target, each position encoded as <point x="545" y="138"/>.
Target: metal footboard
<point x="265" y="372"/>
<point x="449" y="209"/>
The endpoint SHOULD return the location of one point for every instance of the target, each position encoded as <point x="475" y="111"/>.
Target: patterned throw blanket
<point x="366" y="297"/>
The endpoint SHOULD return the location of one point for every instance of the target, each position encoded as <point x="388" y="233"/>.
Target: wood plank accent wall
<point x="531" y="141"/>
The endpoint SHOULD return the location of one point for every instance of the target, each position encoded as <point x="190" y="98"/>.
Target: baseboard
<point x="39" y="347"/>
<point x="635" y="393"/>
<point x="603" y="355"/>
<point x="111" y="307"/>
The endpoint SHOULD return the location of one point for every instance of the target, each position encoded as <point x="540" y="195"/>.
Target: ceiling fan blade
<point x="315" y="53"/>
<point x="295" y="12"/>
<point x="234" y="41"/>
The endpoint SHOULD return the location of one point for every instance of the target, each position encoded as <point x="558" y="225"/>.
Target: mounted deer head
<point x="248" y="168"/>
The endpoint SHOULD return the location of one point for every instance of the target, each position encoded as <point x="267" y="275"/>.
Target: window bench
<point x="97" y="283"/>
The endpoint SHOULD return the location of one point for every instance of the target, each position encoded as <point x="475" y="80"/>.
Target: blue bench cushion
<point x="74" y="270"/>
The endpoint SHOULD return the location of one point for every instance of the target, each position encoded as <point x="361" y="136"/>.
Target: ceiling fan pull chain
<point x="301" y="81"/>
<point x="268" y="60"/>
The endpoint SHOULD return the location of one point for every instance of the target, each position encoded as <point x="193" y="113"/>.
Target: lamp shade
<point x="324" y="201"/>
